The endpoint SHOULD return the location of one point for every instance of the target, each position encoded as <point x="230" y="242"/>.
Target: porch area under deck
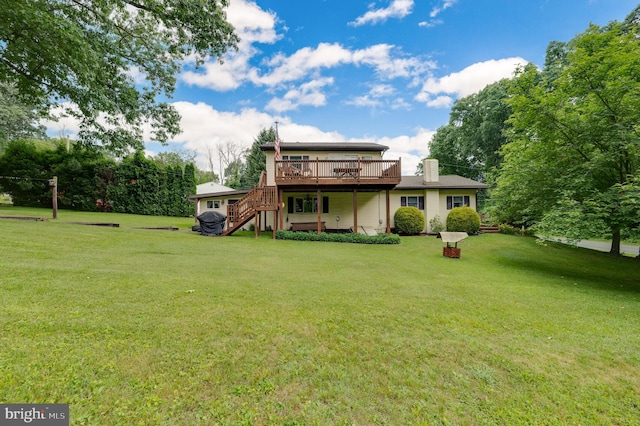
<point x="336" y="175"/>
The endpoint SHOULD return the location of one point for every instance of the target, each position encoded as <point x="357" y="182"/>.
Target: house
<point x="338" y="187"/>
<point x="211" y="188"/>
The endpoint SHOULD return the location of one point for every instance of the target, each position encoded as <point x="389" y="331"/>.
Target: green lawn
<point x="145" y="327"/>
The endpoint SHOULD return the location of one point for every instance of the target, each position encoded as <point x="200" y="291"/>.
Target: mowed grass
<point x="144" y="327"/>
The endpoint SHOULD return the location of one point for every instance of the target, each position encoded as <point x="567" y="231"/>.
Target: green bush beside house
<point x="463" y="219"/>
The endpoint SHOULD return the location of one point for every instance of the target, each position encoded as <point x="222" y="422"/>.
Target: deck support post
<point x="319" y="207"/>
<point x="281" y="207"/>
<point x="388" y="214"/>
<point x="275" y="222"/>
<point x="355" y="210"/>
<point x="256" y="224"/>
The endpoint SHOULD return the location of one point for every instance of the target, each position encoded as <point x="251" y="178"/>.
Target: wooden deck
<point x="379" y="173"/>
<point x="261" y="198"/>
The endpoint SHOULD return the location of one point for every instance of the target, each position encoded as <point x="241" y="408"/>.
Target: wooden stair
<point x="260" y="198"/>
<point x="489" y="230"/>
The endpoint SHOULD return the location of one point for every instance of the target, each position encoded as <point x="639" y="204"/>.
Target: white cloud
<point x="397" y="9"/>
<point x="439" y="92"/>
<point x="307" y="94"/>
<point x="306" y="61"/>
<point x="366" y="101"/>
<point x="400" y="103"/>
<point x="222" y="77"/>
<point x="410" y="149"/>
<point x="441" y="7"/>
<point x="62" y="124"/>
<point x="440" y="102"/>
<point x="446" y="4"/>
<point x="380" y="57"/>
<point x="381" y="90"/>
<point x="202" y="125"/>
<point x="253" y="25"/>
<point x="301" y="63"/>
<point x="430" y="24"/>
<point x="378" y="96"/>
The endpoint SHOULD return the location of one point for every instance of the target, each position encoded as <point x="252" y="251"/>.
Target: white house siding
<point x="224" y="202"/>
<point x="432" y="207"/>
<point x="435" y="202"/>
<point x="372" y="207"/>
<point x="395" y="202"/>
<point x="340" y="204"/>
<point x="450" y="192"/>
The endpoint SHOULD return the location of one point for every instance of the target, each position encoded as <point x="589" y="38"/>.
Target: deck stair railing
<point x="260" y="198"/>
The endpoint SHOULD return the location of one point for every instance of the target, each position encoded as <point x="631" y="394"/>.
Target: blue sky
<point x="384" y="71"/>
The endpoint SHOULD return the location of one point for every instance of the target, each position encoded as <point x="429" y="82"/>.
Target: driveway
<point x="603" y="246"/>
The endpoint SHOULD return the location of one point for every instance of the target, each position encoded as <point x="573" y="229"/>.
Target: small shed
<point x="452" y="239"/>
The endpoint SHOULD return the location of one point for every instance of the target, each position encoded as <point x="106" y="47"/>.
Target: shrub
<point x="512" y="230"/>
<point x="338" y="238"/>
<point x="436" y="225"/>
<point x="409" y="221"/>
<point x="463" y="219"/>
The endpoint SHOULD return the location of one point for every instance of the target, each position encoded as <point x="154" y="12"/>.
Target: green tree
<point x="137" y="187"/>
<point x="17" y="120"/>
<point x="26" y="170"/>
<point x="86" y="52"/>
<point x="575" y="139"/>
<point x="78" y="170"/>
<point x="182" y="157"/>
<point x="469" y="145"/>
<point x="232" y="174"/>
<point x="188" y="188"/>
<point x="255" y="161"/>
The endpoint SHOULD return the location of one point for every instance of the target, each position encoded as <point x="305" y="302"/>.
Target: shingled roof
<point x="445" y="182"/>
<point x="327" y="146"/>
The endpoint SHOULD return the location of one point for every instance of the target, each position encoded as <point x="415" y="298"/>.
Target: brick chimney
<point x="430" y="168"/>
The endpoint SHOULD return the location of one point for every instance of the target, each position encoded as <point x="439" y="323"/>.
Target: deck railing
<point x="259" y="198"/>
<point x="337" y="171"/>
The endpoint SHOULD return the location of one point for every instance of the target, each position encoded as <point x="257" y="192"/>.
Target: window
<point x="458" y="201"/>
<point x="213" y="204"/>
<point x="306" y="204"/>
<point x="412" y="201"/>
<point x="297" y="157"/>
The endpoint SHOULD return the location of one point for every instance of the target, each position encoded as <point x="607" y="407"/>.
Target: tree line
<point x="90" y="180"/>
<point x="559" y="146"/>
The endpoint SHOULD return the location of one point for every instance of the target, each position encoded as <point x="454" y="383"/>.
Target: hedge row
<point x="338" y="238"/>
<point x="512" y="230"/>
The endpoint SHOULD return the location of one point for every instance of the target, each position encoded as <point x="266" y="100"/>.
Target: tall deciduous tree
<point x="180" y="158"/>
<point x="469" y="145"/>
<point x="230" y="159"/>
<point x="576" y="139"/>
<point x="17" y="120"/>
<point x="92" y="53"/>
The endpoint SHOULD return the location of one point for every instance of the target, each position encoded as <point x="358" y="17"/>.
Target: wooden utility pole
<point x="53" y="183"/>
